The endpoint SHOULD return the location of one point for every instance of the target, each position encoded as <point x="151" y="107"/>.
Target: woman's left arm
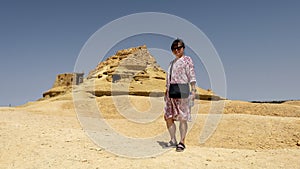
<point x="192" y="77"/>
<point x="191" y="71"/>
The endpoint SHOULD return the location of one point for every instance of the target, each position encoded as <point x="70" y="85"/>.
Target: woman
<point x="182" y="71"/>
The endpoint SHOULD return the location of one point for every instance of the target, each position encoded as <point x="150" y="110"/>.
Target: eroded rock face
<point x="125" y="65"/>
<point x="132" y="71"/>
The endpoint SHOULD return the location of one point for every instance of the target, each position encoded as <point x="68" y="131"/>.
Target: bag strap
<point x="171" y="70"/>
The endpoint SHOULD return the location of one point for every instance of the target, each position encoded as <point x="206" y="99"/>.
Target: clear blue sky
<point x="258" y="42"/>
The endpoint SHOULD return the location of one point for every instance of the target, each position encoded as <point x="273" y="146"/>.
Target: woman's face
<point x="178" y="51"/>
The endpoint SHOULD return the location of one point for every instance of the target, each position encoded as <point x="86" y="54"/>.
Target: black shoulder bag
<point x="178" y="90"/>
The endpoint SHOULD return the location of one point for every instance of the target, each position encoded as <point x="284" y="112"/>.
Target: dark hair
<point x="176" y="42"/>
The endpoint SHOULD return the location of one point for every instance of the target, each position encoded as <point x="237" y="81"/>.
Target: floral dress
<point x="182" y="72"/>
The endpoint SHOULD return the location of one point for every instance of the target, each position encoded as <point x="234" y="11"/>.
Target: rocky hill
<point x="132" y="71"/>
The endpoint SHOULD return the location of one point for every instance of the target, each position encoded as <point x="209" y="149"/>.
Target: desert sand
<point x="48" y="134"/>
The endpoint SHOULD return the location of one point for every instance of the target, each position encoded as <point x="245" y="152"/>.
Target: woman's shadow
<point x="165" y="145"/>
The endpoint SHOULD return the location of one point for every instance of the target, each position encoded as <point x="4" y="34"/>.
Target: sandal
<point x="180" y="147"/>
<point x="170" y="144"/>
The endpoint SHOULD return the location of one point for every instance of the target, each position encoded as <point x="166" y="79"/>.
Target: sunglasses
<point x="177" y="48"/>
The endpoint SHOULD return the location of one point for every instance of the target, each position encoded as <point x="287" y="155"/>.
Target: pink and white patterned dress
<point x="182" y="72"/>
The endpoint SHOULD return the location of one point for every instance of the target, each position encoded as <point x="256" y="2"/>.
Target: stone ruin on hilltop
<point x="63" y="83"/>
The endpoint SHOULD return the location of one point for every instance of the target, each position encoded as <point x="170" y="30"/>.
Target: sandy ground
<point x="48" y="134"/>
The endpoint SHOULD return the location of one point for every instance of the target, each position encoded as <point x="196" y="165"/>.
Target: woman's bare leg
<point x="183" y="130"/>
<point x="172" y="129"/>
